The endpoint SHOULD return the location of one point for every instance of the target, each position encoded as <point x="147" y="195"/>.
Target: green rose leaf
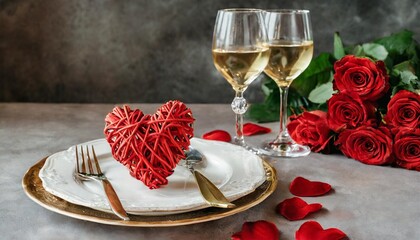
<point x="397" y="43"/>
<point x="263" y="113"/>
<point x="374" y="50"/>
<point x="271" y="91"/>
<point x="408" y="81"/>
<point x="358" y="51"/>
<point x="407" y="77"/>
<point x="318" y="72"/>
<point x="321" y="93"/>
<point x="269" y="110"/>
<point x="406" y="65"/>
<point x="297" y="103"/>
<point x="338" y="47"/>
<point x="403" y="77"/>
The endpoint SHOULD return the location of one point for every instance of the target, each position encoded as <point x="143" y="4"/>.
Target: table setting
<point x="174" y="199"/>
<point x="340" y="161"/>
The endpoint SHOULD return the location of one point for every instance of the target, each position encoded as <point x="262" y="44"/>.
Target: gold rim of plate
<point x="32" y="186"/>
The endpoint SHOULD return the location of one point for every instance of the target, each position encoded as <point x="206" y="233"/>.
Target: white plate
<point x="234" y="170"/>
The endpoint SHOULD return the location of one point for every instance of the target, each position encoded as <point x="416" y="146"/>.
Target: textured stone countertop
<point x="368" y="202"/>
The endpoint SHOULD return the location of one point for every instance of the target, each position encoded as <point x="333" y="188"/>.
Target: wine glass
<point x="240" y="54"/>
<point x="291" y="44"/>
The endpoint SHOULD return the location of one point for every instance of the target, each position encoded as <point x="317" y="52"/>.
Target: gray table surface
<point x="368" y="202"/>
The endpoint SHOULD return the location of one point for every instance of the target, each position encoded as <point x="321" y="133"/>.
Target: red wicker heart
<point x="150" y="146"/>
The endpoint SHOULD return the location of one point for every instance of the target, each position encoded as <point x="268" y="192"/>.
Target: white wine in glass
<point x="240" y="54"/>
<point x="288" y="60"/>
<point x="291" y="45"/>
<point x="240" y="67"/>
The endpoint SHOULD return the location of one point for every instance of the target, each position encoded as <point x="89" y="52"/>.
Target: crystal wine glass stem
<point x="283" y="136"/>
<point x="239" y="107"/>
<point x="239" y="139"/>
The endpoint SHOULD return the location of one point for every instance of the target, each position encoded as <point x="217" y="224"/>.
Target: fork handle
<point x="114" y="201"/>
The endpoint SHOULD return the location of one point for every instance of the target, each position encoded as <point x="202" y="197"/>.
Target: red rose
<point x="346" y="110"/>
<point x="407" y="148"/>
<point x="262" y="230"/>
<point x="362" y="76"/>
<point x="311" y="129"/>
<point x="404" y="110"/>
<point x="367" y="145"/>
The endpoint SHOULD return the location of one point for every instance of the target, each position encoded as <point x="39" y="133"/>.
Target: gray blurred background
<point x="153" y="50"/>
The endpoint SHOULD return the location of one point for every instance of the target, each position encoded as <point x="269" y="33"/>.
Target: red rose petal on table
<point x="261" y="230"/>
<point x="312" y="230"/>
<point x="296" y="209"/>
<point x="254" y="129"/>
<point x="219" y="135"/>
<point x="302" y="187"/>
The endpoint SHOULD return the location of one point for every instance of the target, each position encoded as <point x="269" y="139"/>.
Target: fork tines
<point x="87" y="159"/>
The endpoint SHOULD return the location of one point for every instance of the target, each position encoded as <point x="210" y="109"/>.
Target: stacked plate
<point x="241" y="176"/>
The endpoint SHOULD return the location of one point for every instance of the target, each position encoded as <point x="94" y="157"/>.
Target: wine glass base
<point x="242" y="143"/>
<point x="290" y="149"/>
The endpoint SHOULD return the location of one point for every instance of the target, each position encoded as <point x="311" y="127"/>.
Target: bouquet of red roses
<point x="361" y="100"/>
<point x="364" y="120"/>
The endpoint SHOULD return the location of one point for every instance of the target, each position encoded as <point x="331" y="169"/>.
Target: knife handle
<point x="213" y="196"/>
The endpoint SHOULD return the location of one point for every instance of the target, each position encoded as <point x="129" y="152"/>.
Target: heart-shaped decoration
<point x="150" y="146"/>
<point x="312" y="230"/>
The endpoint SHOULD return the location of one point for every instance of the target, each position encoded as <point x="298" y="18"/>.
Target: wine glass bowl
<point x="288" y="60"/>
<point x="291" y="45"/>
<point x="240" y="53"/>
<point x="240" y="66"/>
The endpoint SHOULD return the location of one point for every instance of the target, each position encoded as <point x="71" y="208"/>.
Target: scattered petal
<point x="304" y="188"/>
<point x="296" y="209"/>
<point x="261" y="230"/>
<point x="254" y="129"/>
<point x="312" y="230"/>
<point x="219" y="135"/>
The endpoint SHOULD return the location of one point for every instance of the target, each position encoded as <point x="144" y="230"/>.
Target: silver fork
<point x="94" y="173"/>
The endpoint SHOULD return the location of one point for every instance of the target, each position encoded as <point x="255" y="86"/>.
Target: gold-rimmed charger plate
<point x="32" y="186"/>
